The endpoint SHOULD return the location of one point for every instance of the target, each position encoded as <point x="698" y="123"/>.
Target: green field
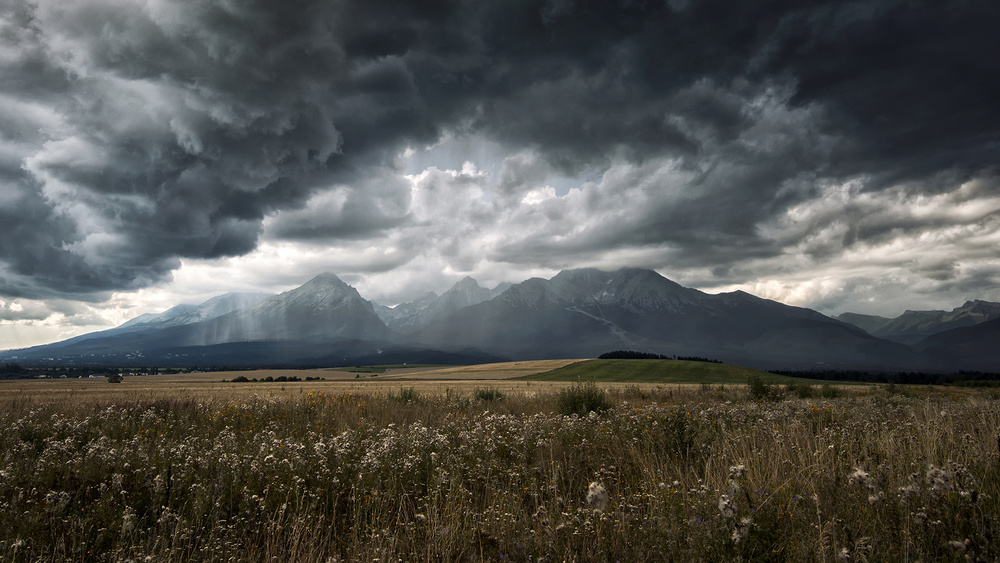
<point x="659" y="371"/>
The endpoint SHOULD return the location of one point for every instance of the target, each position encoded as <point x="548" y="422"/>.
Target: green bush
<point x="407" y="395"/>
<point x="830" y="392"/>
<point x="760" y="391"/>
<point x="801" y="390"/>
<point x="583" y="398"/>
<point x="488" y="394"/>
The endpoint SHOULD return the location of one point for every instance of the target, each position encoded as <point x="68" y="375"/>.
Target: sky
<point x="836" y="155"/>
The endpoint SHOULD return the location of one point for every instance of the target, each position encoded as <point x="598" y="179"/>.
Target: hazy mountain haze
<point x="576" y="313"/>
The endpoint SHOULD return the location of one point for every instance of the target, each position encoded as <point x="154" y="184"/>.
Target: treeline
<point x="634" y="355"/>
<point x="279" y="379"/>
<point x="698" y="359"/>
<point x="17" y="371"/>
<point x="11" y="371"/>
<point x="963" y="378"/>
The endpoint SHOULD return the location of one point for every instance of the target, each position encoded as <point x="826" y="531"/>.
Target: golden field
<point x="399" y="468"/>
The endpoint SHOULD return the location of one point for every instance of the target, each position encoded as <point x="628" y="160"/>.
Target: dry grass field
<point x="210" y="387"/>
<point x="191" y="468"/>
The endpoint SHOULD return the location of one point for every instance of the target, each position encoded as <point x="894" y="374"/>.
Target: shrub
<point x="583" y="398"/>
<point x="488" y="394"/>
<point x="407" y="395"/>
<point x="115" y="378"/>
<point x="830" y="392"/>
<point x="761" y="391"/>
<point x="801" y="390"/>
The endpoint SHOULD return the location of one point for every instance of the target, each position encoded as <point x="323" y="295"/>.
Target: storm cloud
<point x="764" y="145"/>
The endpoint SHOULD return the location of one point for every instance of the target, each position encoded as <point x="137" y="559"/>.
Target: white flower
<point x="861" y="477"/>
<point x="741" y="529"/>
<point x="737" y="471"/>
<point x="597" y="496"/>
<point x="726" y="507"/>
<point x="939" y="479"/>
<point x="959" y="546"/>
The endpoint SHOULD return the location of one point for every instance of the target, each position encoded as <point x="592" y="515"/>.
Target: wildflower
<point x="540" y="514"/>
<point x="597" y="497"/>
<point x="741" y="529"/>
<point x="872" y="499"/>
<point x="908" y="491"/>
<point x="737" y="471"/>
<point x="861" y="477"/>
<point x="844" y="555"/>
<point x="939" y="479"/>
<point x="960" y="546"/>
<point x="726" y="507"/>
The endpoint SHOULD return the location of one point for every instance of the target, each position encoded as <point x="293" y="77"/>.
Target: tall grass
<point x="697" y="474"/>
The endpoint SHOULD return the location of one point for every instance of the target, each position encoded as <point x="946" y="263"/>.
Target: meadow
<point x="496" y="470"/>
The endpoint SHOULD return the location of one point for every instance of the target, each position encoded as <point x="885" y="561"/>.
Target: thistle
<point x="597" y="497"/>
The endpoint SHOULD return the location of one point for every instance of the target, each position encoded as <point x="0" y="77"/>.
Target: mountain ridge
<point x="912" y="326"/>
<point x="577" y="313"/>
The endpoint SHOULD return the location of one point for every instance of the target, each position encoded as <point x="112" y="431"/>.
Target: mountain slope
<point x="401" y="316"/>
<point x="408" y="317"/>
<point x="577" y="313"/>
<point x="323" y="308"/>
<point x="581" y="313"/>
<point x="867" y="323"/>
<point x="312" y="320"/>
<point x="913" y="326"/>
<point x="189" y="314"/>
<point x="971" y="347"/>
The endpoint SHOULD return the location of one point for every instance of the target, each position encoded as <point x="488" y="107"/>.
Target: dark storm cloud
<point x="150" y="132"/>
<point x="911" y="84"/>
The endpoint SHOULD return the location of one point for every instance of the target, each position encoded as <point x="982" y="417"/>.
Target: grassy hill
<point x="657" y="371"/>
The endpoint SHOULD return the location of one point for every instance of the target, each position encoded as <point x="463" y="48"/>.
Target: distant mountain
<point x="500" y="288"/>
<point x="402" y="316"/>
<point x="913" y="326"/>
<point x="324" y="318"/>
<point x="577" y="313"/>
<point x="408" y="317"/>
<point x="323" y="308"/>
<point x="972" y="347"/>
<point x="582" y="313"/>
<point x="178" y="315"/>
<point x="189" y="314"/>
<point x="867" y="323"/>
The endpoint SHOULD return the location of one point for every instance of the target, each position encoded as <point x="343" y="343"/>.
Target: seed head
<point x="737" y="471"/>
<point x="726" y="507"/>
<point x="597" y="497"/>
<point x="861" y="477"/>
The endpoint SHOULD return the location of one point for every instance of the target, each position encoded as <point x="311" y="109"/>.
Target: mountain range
<point x="577" y="313"/>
